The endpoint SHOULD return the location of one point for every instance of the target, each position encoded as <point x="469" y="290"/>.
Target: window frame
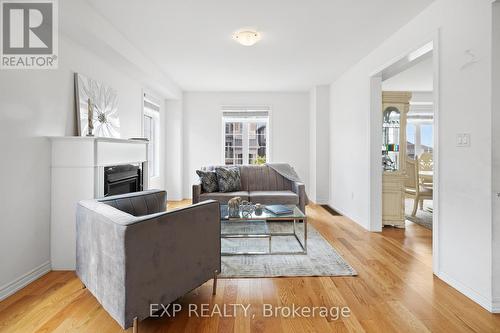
<point x="246" y="120"/>
<point x="154" y="166"/>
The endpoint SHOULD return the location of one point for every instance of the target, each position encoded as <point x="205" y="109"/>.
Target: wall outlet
<point x="463" y="140"/>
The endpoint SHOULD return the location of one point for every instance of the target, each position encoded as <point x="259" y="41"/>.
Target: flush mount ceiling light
<point x="247" y="37"/>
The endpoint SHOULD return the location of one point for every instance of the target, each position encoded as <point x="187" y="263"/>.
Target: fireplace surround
<point x="89" y="168"/>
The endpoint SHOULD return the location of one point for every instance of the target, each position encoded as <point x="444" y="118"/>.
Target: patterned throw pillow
<point x="228" y="179"/>
<point x="208" y="181"/>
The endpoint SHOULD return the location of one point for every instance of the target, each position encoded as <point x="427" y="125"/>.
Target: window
<point x="246" y="135"/>
<point x="426" y="137"/>
<point x="151" y="123"/>
<point x="411" y="139"/>
<point x="419" y="137"/>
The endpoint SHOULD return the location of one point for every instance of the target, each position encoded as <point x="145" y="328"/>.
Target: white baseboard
<point x="337" y="210"/>
<point x="495" y="307"/>
<point x="24" y="280"/>
<point x="341" y="212"/>
<point x="321" y="201"/>
<point x="469" y="292"/>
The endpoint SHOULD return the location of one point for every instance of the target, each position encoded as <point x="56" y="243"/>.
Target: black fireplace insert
<point x="121" y="179"/>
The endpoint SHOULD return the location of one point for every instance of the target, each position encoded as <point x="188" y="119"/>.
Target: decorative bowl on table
<point x="247" y="208"/>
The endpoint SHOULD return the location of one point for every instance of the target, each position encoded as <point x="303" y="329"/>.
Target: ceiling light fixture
<point x="247" y="37"/>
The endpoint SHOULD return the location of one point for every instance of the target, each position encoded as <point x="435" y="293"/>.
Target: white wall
<point x="35" y="104"/>
<point x="174" y="150"/>
<point x="313" y="104"/>
<point x="81" y="22"/>
<point x="464" y="244"/>
<point x="203" y="129"/>
<point x="496" y="154"/>
<point x="319" y="144"/>
<point x="416" y="78"/>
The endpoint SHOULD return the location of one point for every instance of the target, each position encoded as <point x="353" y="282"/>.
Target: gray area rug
<point x="423" y="217"/>
<point x="321" y="258"/>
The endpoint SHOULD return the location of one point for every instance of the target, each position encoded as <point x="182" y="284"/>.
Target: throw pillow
<point x="228" y="179"/>
<point x="208" y="181"/>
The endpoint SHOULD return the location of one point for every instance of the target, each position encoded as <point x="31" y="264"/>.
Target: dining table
<point x="426" y="176"/>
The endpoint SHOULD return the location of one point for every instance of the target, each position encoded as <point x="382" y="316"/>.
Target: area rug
<point x="423" y="217"/>
<point x="321" y="258"/>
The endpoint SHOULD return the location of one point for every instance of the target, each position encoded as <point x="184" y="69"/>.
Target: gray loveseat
<point x="259" y="184"/>
<point x="130" y="253"/>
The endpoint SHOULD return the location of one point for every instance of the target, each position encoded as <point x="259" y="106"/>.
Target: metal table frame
<point x="268" y="235"/>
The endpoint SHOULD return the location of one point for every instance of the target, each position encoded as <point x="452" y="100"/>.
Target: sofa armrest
<point x="100" y="254"/>
<point x="170" y="254"/>
<point x="196" y="192"/>
<point x="300" y="190"/>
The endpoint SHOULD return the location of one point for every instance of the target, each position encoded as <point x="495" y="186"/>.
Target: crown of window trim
<point x="151" y="100"/>
<point x="245" y="114"/>
<point x="245" y="108"/>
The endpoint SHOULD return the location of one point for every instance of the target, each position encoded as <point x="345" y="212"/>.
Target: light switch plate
<point x="463" y="140"/>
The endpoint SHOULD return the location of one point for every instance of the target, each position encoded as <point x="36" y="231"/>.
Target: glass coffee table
<point x="257" y="226"/>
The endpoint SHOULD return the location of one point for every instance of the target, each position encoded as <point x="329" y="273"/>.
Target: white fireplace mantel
<point x="78" y="173"/>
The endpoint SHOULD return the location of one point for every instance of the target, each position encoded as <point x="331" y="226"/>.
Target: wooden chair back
<point x="426" y="162"/>
<point x="412" y="173"/>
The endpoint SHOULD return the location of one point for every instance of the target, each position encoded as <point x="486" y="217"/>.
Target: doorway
<point x="414" y="76"/>
<point x="417" y="136"/>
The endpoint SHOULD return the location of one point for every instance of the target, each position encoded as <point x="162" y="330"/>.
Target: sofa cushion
<point x="208" y="181"/>
<point x="223" y="197"/>
<point x="263" y="178"/>
<point x="274" y="197"/>
<point x="228" y="179"/>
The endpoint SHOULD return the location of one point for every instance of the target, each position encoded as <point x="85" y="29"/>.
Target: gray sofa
<point x="131" y="253"/>
<point x="259" y="184"/>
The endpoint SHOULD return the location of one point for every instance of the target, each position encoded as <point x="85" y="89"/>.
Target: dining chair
<point x="413" y="188"/>
<point x="425" y="163"/>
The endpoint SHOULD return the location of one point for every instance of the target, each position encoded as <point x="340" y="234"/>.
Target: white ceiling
<point x="416" y="78"/>
<point x="303" y="42"/>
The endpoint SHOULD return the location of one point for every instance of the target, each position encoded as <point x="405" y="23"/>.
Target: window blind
<point x="251" y="114"/>
<point x="245" y="111"/>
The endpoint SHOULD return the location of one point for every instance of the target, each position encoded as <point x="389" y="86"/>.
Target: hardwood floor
<point x="394" y="292"/>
